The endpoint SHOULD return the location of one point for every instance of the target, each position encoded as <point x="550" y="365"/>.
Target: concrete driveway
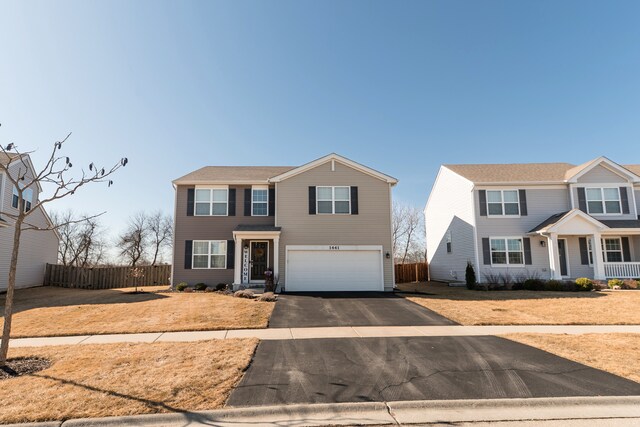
<point x="421" y="368"/>
<point x="308" y="310"/>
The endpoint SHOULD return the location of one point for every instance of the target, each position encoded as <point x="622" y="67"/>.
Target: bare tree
<point x="56" y="174"/>
<point x="160" y="233"/>
<point x="132" y="242"/>
<point x="407" y="224"/>
<point x="82" y="242"/>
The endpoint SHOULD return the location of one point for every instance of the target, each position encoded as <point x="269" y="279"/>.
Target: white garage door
<point x="334" y="270"/>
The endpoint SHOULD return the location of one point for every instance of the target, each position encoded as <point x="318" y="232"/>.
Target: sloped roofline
<point x="569" y="216"/>
<point x="338" y="158"/>
<point x="29" y="163"/>
<point x="574" y="174"/>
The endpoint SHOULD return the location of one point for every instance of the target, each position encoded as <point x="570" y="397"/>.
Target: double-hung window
<point x="611" y="250"/>
<point x="603" y="200"/>
<point x="503" y="202"/>
<point x="209" y="254"/>
<point x="27" y="195"/>
<point x="212" y="201"/>
<point x="333" y="200"/>
<point x="507" y="251"/>
<point x="260" y="201"/>
<point x="448" y="240"/>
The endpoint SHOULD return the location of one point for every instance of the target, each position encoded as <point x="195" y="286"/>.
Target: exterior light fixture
<point x="543" y="243"/>
<point x="388" y="255"/>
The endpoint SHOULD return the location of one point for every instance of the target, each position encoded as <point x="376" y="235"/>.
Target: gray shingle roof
<point x="256" y="227"/>
<point x="233" y="174"/>
<point x="621" y="223"/>
<point x="549" y="221"/>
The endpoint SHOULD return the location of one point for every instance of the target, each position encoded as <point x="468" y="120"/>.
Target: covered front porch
<point x="256" y="250"/>
<point x="581" y="246"/>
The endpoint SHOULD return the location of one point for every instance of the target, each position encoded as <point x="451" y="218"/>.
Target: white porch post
<point x="237" y="266"/>
<point x="598" y="259"/>
<point x="276" y="256"/>
<point x="554" y="256"/>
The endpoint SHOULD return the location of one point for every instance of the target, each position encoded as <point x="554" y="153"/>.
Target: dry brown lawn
<point x="615" y="353"/>
<point x="124" y="379"/>
<point x="527" y="307"/>
<point x="51" y="311"/>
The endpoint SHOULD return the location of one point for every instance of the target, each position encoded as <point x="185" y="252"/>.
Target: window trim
<point x="502" y="202"/>
<point x="209" y="254"/>
<point x="507" y="251"/>
<point x="604" y="251"/>
<point x="27" y="197"/>
<point x="603" y="200"/>
<point x="260" y="187"/>
<point x="449" y="243"/>
<point x="211" y="202"/>
<point x="333" y="199"/>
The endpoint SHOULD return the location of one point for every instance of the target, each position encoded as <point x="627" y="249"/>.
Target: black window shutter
<point x="582" y="199"/>
<point x="523" y="202"/>
<point x="486" y="251"/>
<point x="312" y="200"/>
<point x="272" y="201"/>
<point x="247" y="202"/>
<point x="527" y="250"/>
<point x="483" y="202"/>
<point x="354" y="200"/>
<point x="191" y="195"/>
<point x="624" y="200"/>
<point x="626" y="251"/>
<point x="231" y="252"/>
<point x="232" y="202"/>
<point x="188" y="252"/>
<point x="584" y="252"/>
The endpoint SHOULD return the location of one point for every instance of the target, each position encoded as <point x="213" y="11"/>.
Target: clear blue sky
<point x="399" y="86"/>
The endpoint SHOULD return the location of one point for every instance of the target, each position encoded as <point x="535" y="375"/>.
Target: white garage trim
<point x="337" y="248"/>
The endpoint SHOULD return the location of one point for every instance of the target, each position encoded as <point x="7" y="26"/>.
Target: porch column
<point x="237" y="265"/>
<point x="276" y="252"/>
<point x="598" y="259"/>
<point x="554" y="256"/>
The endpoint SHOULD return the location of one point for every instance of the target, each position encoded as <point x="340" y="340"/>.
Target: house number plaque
<point x="334" y="248"/>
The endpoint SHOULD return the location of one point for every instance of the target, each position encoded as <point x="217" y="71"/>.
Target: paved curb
<point x="383" y="413"/>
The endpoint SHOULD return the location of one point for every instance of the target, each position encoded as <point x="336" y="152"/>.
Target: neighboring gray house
<point x="546" y="220"/>
<point x="323" y="226"/>
<point x="37" y="248"/>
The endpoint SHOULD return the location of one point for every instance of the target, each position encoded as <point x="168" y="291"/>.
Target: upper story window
<point x="448" y="240"/>
<point x="603" y="200"/>
<point x="27" y="195"/>
<point x="212" y="201"/>
<point x="333" y="200"/>
<point x="507" y="251"/>
<point x="209" y="254"/>
<point x="503" y="202"/>
<point x="259" y="201"/>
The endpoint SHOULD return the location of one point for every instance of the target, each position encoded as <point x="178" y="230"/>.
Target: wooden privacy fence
<point x="106" y="277"/>
<point x="417" y="272"/>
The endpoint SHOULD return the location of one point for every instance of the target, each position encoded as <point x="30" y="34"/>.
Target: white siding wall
<point x="541" y="204"/>
<point x="36" y="247"/>
<point x="637" y="196"/>
<point x="450" y="208"/>
<point x="576" y="269"/>
<point x="601" y="175"/>
<point x="632" y="209"/>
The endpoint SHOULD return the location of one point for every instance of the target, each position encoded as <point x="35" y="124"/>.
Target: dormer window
<point x="503" y="203"/>
<point x="603" y="201"/>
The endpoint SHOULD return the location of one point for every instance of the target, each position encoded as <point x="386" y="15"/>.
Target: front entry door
<point x="259" y="259"/>
<point x="562" y="251"/>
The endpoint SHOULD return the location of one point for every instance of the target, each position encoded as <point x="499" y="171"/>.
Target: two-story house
<point x="546" y="220"/>
<point x="37" y="248"/>
<point x="322" y="226"/>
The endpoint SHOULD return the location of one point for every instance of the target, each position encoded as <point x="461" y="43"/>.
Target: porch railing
<point x="622" y="270"/>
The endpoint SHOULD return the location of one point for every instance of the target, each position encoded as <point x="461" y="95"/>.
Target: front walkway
<point x="330" y="332"/>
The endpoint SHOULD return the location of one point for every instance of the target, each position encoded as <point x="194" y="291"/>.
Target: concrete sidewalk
<point x="331" y="332"/>
<point x="574" y="411"/>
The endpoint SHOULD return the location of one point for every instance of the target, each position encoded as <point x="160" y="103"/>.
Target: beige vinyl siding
<point x="636" y="192"/>
<point x="541" y="204"/>
<point x="601" y="175"/>
<point x="576" y="269"/>
<point x="635" y="248"/>
<point x="450" y="208"/>
<point x="37" y="248"/>
<point x="372" y="226"/>
<point x="632" y="213"/>
<point x="207" y="228"/>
